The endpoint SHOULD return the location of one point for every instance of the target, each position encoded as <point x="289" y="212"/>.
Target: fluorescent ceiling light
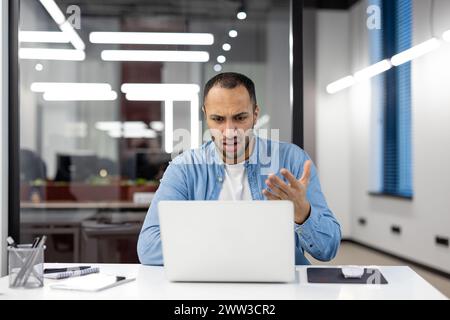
<point x="340" y="84"/>
<point x="69" y="86"/>
<point x="65" y="26"/>
<point x="167" y="88"/>
<point x="446" y="35"/>
<point x="398" y="59"/>
<point x="233" y="33"/>
<point x="74" y="91"/>
<point x="108" y="125"/>
<point x="155" y="55"/>
<point x="221" y="59"/>
<point x="168" y="92"/>
<point x="117" y="125"/>
<point x="80" y="96"/>
<point x="152" y="38"/>
<point x="168" y="120"/>
<point x="134" y="125"/>
<point x="373" y="70"/>
<point x="194" y="122"/>
<point x="159" y="96"/>
<point x="43" y="36"/>
<point x="160" y="91"/>
<point x="139" y="133"/>
<point x="157" y="125"/>
<point x="54" y="11"/>
<point x="415" y="52"/>
<point x="115" y="133"/>
<point x="146" y="133"/>
<point x="226" y="47"/>
<point x="51" y="54"/>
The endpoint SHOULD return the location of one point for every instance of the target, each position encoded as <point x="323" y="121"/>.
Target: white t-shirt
<point x="235" y="183"/>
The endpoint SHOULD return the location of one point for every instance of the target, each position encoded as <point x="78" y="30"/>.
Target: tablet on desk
<point x="92" y="282"/>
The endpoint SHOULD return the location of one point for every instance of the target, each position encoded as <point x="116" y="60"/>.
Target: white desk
<point x="151" y="283"/>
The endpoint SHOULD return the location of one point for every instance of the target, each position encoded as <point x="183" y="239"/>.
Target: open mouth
<point x="230" y="146"/>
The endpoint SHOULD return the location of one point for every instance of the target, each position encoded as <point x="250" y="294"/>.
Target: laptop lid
<point x="236" y="241"/>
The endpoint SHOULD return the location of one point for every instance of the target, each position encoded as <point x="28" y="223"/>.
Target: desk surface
<point x="151" y="283"/>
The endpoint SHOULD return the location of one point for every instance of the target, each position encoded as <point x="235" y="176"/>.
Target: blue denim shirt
<point x="198" y="175"/>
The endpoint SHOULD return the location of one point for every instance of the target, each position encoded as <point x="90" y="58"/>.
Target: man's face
<point x="230" y="116"/>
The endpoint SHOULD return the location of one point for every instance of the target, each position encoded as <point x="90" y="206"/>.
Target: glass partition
<point x="106" y="88"/>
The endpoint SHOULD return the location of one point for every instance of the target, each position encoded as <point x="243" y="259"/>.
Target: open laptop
<point x="228" y="241"/>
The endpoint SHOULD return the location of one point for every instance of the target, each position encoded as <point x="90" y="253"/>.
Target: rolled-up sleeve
<point x="172" y="187"/>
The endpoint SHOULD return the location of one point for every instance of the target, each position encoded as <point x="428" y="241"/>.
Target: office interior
<point x="88" y="145"/>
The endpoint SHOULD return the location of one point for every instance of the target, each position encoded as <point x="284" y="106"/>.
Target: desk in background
<point x="151" y="283"/>
<point x="83" y="223"/>
<point x="122" y="205"/>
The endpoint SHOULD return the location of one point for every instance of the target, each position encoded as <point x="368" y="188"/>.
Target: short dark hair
<point x="231" y="80"/>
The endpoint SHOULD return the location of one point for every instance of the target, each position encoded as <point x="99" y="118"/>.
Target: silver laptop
<point x="228" y="241"/>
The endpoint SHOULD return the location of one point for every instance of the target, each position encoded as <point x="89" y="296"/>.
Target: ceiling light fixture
<point x="51" y="54"/>
<point x="416" y="51"/>
<point x="233" y="33"/>
<point x="169" y="38"/>
<point x="155" y="55"/>
<point x="221" y="59"/>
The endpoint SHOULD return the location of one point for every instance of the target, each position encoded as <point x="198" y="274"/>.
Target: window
<point x="392" y="99"/>
<point x="93" y="141"/>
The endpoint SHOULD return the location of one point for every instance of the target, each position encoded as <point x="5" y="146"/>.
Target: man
<point x="236" y="165"/>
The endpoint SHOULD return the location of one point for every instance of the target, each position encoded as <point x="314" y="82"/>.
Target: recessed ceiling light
<point x="241" y="15"/>
<point x="221" y="59"/>
<point x="233" y="33"/>
<point x="226" y="47"/>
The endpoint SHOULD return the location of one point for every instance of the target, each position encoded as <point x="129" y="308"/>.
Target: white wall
<point x="348" y="114"/>
<point x="332" y="113"/>
<point x="4" y="134"/>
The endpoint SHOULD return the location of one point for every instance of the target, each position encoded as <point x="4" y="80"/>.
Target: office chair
<point x="32" y="167"/>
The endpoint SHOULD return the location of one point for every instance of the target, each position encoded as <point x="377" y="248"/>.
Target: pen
<point x="35" y="242"/>
<point x="11" y="242"/>
<point x="55" y="270"/>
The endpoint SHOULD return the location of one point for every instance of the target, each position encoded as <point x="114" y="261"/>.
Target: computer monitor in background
<point x="145" y="165"/>
<point x="78" y="168"/>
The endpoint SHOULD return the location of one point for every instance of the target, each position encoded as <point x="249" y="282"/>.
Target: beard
<point x="236" y="149"/>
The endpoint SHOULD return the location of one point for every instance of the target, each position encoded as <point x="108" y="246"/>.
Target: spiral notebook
<point x="74" y="273"/>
